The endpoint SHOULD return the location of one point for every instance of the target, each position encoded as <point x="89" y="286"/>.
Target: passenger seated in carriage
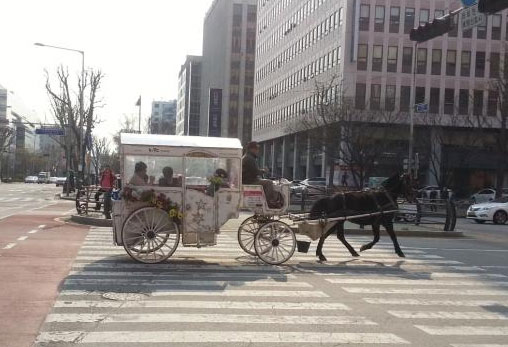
<point x="140" y="177"/>
<point x="167" y="179"/>
<point x="251" y="173"/>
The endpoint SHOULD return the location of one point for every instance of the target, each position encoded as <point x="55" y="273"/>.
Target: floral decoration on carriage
<point x="158" y="200"/>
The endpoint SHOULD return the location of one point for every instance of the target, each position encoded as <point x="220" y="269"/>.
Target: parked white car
<point x="486" y="195"/>
<point x="53" y="179"/>
<point x="495" y="211"/>
<point x="31" y="179"/>
<point x="60" y="181"/>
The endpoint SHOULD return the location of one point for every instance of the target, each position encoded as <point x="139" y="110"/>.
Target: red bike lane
<point x="36" y="253"/>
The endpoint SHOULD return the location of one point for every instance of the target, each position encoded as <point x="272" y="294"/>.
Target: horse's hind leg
<point x="342" y="238"/>
<point x="375" y="231"/>
<point x="319" y="249"/>
<point x="389" y="229"/>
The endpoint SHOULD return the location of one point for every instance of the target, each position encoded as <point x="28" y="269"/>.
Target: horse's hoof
<point x="322" y="258"/>
<point x="355" y="254"/>
<point x="400" y="254"/>
<point x="364" y="248"/>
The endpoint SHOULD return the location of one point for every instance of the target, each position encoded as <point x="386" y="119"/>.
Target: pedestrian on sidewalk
<point x="107" y="182"/>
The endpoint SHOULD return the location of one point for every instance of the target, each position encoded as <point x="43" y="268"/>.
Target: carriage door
<point x="200" y="207"/>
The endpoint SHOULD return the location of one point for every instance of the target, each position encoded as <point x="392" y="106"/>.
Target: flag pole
<point x="139" y="118"/>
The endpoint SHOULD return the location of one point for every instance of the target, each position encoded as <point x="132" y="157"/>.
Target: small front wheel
<point x="275" y="242"/>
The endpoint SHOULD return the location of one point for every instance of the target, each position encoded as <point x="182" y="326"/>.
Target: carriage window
<point x="153" y="171"/>
<point x="199" y="171"/>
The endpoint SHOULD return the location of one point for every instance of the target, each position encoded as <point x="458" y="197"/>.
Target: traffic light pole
<point x="412" y="104"/>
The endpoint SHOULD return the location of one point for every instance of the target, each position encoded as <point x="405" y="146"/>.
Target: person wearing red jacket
<point x="106" y="183"/>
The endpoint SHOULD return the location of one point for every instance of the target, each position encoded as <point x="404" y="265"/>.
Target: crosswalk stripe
<point x="464" y="330"/>
<point x="424" y="302"/>
<point x="220" y="337"/>
<point x="417" y="282"/>
<point x="432" y="275"/>
<point x="448" y="315"/>
<point x="225" y="292"/>
<point x="238" y="305"/>
<point x="170" y="275"/>
<point x="477" y="345"/>
<point x="261" y="268"/>
<point x="205" y="318"/>
<point x="424" y="291"/>
<point x="170" y="283"/>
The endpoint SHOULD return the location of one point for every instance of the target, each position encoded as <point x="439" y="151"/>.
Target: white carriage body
<point x="193" y="160"/>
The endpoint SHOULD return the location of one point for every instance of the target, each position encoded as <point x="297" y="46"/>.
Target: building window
<point x="438" y="13"/>
<point x="377" y="58"/>
<point x="481" y="30"/>
<point x="421" y="61"/>
<point x="394" y="19"/>
<point x="467" y="34"/>
<point x="361" y="89"/>
<point x="463" y="101"/>
<point x="407" y="59"/>
<point x="364" y="17"/>
<point x="361" y="63"/>
<point x="424" y="16"/>
<point x="451" y="62"/>
<point x="405" y="98"/>
<point x="375" y="96"/>
<point x="420" y="95"/>
<point x="393" y="52"/>
<point x="455" y="29"/>
<point x="492" y="103"/>
<point x="436" y="62"/>
<point x="478" y="103"/>
<point x="390" y="98"/>
<point x="434" y="100"/>
<point x="494" y="64"/>
<point x="496" y="27"/>
<point x="379" y="23"/>
<point x="465" y="63"/>
<point x="409" y="19"/>
<point x="449" y="99"/>
<point x="480" y="64"/>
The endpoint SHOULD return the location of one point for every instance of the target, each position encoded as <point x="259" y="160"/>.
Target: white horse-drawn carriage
<point x="153" y="216"/>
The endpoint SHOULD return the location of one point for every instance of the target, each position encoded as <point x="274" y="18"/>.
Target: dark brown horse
<point x="357" y="203"/>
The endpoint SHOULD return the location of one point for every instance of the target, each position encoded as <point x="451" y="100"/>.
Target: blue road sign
<point x="422" y="108"/>
<point x="469" y="2"/>
<point x="50" y="131"/>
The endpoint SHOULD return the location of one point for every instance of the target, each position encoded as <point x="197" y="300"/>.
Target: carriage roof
<point x="180" y="141"/>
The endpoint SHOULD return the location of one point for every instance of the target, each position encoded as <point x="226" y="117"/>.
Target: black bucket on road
<point x="303" y="246"/>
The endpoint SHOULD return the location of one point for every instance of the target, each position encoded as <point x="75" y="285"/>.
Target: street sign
<point x="471" y="17"/>
<point x="50" y="131"/>
<point x="468" y="3"/>
<point x="422" y="108"/>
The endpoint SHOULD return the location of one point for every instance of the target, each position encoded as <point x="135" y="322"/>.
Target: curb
<point x="69" y="198"/>
<point x="91" y="221"/>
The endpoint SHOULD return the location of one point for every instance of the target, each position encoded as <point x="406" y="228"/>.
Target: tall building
<point x="163" y="117"/>
<point x="366" y="47"/>
<point x="189" y="97"/>
<point x="3" y="104"/>
<point x="229" y="41"/>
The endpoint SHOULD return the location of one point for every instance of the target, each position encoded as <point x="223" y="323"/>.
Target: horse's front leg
<point x="342" y="238"/>
<point x="375" y="231"/>
<point x="319" y="249"/>
<point x="388" y="224"/>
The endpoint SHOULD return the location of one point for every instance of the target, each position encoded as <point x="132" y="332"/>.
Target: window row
<point x="296" y="109"/>
<point x="320" y="65"/>
<point x="462" y="103"/>
<point x="441" y="62"/>
<point x="333" y="22"/>
<point x="287" y="27"/>
<point x="394" y="20"/>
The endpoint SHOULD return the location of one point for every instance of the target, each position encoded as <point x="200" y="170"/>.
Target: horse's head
<point x="400" y="185"/>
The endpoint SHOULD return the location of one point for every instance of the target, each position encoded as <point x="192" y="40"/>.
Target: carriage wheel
<point x="247" y="231"/>
<point x="275" y="242"/>
<point x="149" y="235"/>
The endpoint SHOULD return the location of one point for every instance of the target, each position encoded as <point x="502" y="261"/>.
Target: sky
<point x="138" y="45"/>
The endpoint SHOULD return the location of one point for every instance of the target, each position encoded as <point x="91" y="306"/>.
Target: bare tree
<point x="6" y="138"/>
<point x="74" y="110"/>
<point x="100" y="153"/>
<point x="352" y="136"/>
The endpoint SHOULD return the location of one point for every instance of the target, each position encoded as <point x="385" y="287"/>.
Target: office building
<point x="163" y="117"/>
<point x="189" y="97"/>
<point x="365" y="46"/>
<point x="229" y="40"/>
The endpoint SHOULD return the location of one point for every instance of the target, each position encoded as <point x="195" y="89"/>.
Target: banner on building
<point x="214" y="112"/>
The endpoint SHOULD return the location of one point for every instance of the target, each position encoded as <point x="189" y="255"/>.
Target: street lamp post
<point x="81" y="102"/>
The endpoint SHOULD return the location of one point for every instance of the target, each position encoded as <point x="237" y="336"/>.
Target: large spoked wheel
<point x="247" y="231"/>
<point x="275" y="243"/>
<point x="149" y="235"/>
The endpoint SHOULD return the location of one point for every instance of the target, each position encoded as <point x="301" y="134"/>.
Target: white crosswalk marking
<point x="465" y="330"/>
<point x="424" y="302"/>
<point x="425" y="291"/>
<point x="448" y="315"/>
<point x="418" y="282"/>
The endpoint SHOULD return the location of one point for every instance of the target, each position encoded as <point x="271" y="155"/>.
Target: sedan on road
<point x="495" y="211"/>
<point x="60" y="181"/>
<point x="486" y="195"/>
<point x="31" y="179"/>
